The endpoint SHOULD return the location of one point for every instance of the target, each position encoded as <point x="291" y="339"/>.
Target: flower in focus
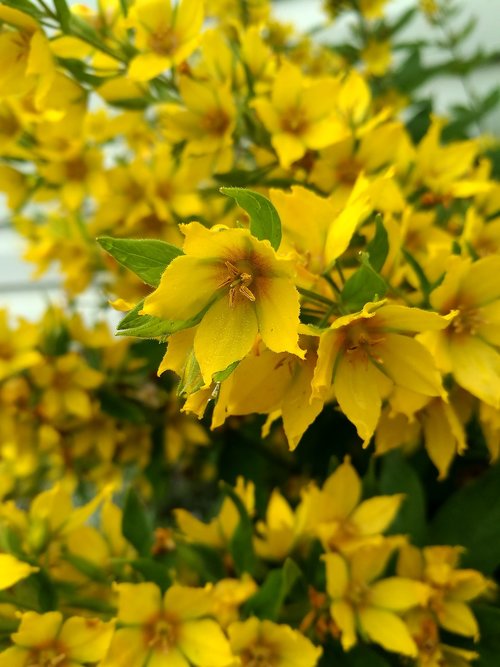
<point x="236" y="286"/>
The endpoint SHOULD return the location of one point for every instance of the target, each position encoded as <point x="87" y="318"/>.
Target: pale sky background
<point x="22" y="297"/>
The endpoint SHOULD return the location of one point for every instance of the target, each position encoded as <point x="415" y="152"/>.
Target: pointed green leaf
<point x="264" y="219"/>
<point x="149" y="326"/>
<point x="364" y="285"/>
<point x="269" y="599"/>
<point x="378" y="248"/>
<point x="147" y="258"/>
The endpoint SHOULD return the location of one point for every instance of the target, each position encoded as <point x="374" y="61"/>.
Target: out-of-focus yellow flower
<point x="238" y="287"/>
<point x="299" y="114"/>
<point x="165" y="34"/>
<point x="257" y="642"/>
<point x="219" y="531"/>
<point x="48" y="639"/>
<point x="172" y="630"/>
<point x="17" y="346"/>
<point x="336" y="516"/>
<point x="370" y="352"/>
<point x="25" y="54"/>
<point x="361" y="602"/>
<point x="452" y="588"/>
<point x="469" y="347"/>
<point x="228" y="595"/>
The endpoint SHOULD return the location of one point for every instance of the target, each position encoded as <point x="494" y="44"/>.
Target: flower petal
<point x="277" y="307"/>
<point x="399" y="594"/>
<point x="187" y="286"/>
<point x="476" y="367"/>
<point x="337" y="575"/>
<point x="204" y="643"/>
<point x="343" y="615"/>
<point x="138" y="603"/>
<point x="343" y="489"/>
<point x="87" y="639"/>
<point x="225" y="335"/>
<point x="376" y="514"/>
<point x="13" y="570"/>
<point x="38" y="629"/>
<point x="387" y="630"/>
<point x="457" y="617"/>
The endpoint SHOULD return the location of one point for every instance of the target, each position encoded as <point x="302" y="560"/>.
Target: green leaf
<point x="191" y="378"/>
<point x="269" y="599"/>
<point x="364" y="285"/>
<point x="471" y="518"/>
<point x="153" y="571"/>
<point x="378" y="248"/>
<point x="398" y="476"/>
<point x="264" y="219"/>
<point x="147" y="258"/>
<point x="488" y="618"/>
<point x="121" y="407"/>
<point x="241" y="546"/>
<point x="26" y="7"/>
<point x="149" y="326"/>
<point x="136" y="524"/>
<point x="63" y="14"/>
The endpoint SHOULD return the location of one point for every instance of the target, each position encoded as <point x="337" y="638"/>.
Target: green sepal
<point x="265" y="222"/>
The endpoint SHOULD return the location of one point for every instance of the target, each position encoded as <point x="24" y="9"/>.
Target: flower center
<point x="164" y="41"/>
<point x="238" y="283"/>
<point x="51" y="657"/>
<point x="259" y="655"/>
<point x="162" y="635"/>
<point x="467" y="321"/>
<point x="294" y="121"/>
<point x="215" y="121"/>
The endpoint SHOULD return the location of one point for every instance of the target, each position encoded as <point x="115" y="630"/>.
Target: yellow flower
<point x="377" y="57"/>
<point x="27" y="64"/>
<point x="266" y="644"/>
<point x="17" y="347"/>
<point x="279" y="534"/>
<point x="165" y="34"/>
<point x="13" y="570"/>
<point x="452" y="588"/>
<point x="229" y="595"/>
<point x="219" y="531"/>
<point x="172" y="630"/>
<point x="46" y="639"/>
<point x="360" y="603"/>
<point x="368" y="353"/>
<point x="238" y="287"/>
<point x="336" y="515"/>
<point x="299" y="115"/>
<point x="469" y="347"/>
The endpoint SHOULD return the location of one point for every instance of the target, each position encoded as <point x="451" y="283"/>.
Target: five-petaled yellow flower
<point x="238" y="287"/>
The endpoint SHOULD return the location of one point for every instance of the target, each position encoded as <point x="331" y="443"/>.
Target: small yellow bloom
<point x="361" y="603"/>
<point x="267" y="644"/>
<point x="366" y="354"/>
<point x="46" y="639"/>
<point x="299" y="115"/>
<point x="240" y="288"/>
<point x="165" y="34"/>
<point x="172" y="630"/>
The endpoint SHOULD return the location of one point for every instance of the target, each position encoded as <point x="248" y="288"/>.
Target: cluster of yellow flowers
<point x="177" y="617"/>
<point x="303" y="251"/>
<point x="76" y="404"/>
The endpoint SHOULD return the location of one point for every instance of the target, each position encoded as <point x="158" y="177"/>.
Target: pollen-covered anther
<point x="237" y="281"/>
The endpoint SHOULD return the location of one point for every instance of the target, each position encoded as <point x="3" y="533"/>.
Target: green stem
<point x="314" y="297"/>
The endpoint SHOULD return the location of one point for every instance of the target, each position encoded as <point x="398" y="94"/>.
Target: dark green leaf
<point x="241" y="546"/>
<point x="121" y="407"/>
<point x="488" y="618"/>
<point x="147" y="258"/>
<point x="471" y="518"/>
<point x="364" y="285"/>
<point x="397" y="476"/>
<point x="136" y="524"/>
<point x="269" y="599"/>
<point x="153" y="571"/>
<point x="264" y="219"/>
<point x="378" y="248"/>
